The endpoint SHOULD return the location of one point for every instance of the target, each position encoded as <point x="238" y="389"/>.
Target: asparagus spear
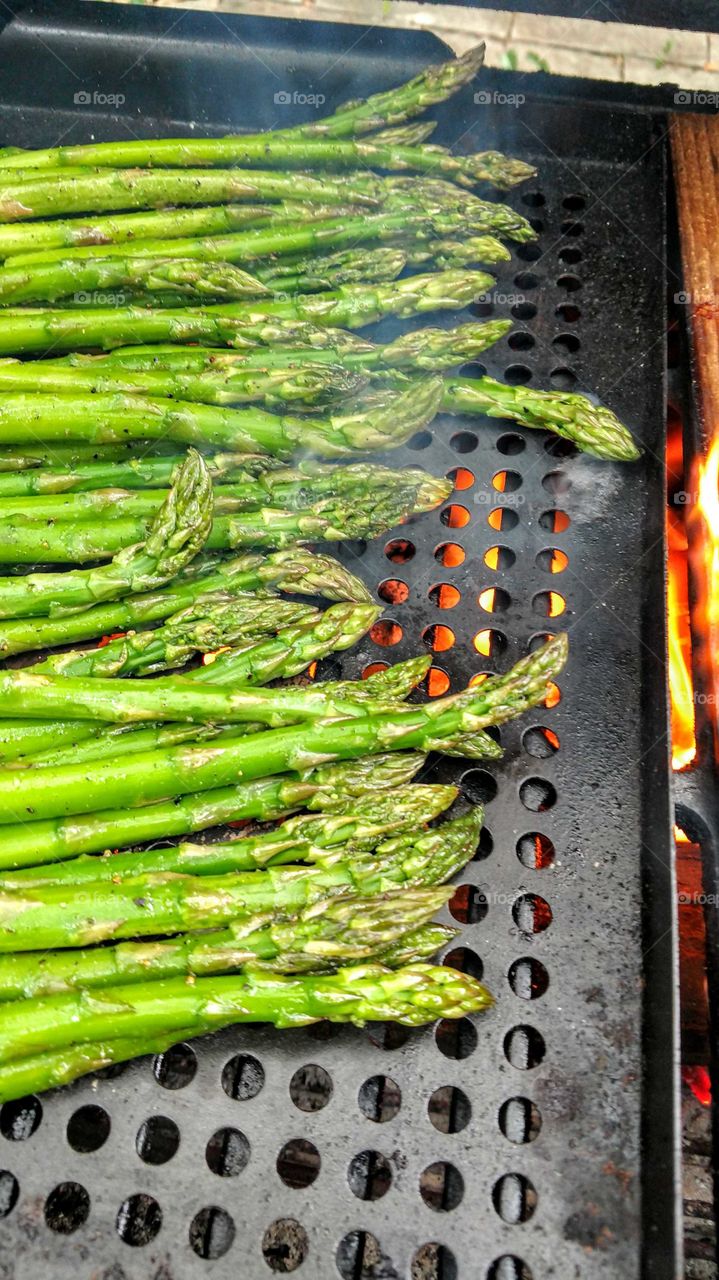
<point x="156" y="1012"/>
<point x="124" y="473"/>
<point x="305" y="838"/>
<point x="33" y="239"/>
<point x="178" y="532"/>
<point x="297" y="570"/>
<point x="329" y="519"/>
<point x="54" y="792"/>
<point x="392" y="418"/>
<point x="330" y="788"/>
<point x="111" y="190"/>
<point x="36" y="917"/>
<point x="331" y="932"/>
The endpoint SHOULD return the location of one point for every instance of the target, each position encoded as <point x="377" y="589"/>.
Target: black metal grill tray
<point x="155" y="1183"/>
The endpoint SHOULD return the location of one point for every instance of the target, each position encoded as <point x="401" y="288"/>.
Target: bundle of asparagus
<point x="199" y="413"/>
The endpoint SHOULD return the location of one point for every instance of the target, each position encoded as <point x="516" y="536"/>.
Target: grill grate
<point x="506" y="1147"/>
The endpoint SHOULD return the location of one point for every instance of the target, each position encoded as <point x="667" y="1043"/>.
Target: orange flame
<point x="699" y="1081"/>
<point x="681" y="688"/>
<point x="708" y="508"/>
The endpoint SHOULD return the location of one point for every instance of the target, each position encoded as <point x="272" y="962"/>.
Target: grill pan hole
<point x="9" y="1192"/>
<point x="441" y="1186"/>
<point x="556" y="447"/>
<point x="511" y="444"/>
<point x="393" y="591"/>
<point x="67" y="1207"/>
<point x="524" y="311"/>
<point x="540" y="742"/>
<point x="568" y="312"/>
<point x="569" y="282"/>
<point x="88" y="1129"/>
<point x="444" y="595"/>
<point x="399" y="551"/>
<point x="212" y="1232"/>
<point x="529" y="252"/>
<point x="438" y="638"/>
<point x="379" y="1099"/>
<point x="485" y="845"/>
<point x="20" y="1119"/>
<point x="175" y="1068"/>
<point x="466" y="961"/>
<point x="478" y="786"/>
<point x="386" y="633"/>
<point x="369" y="1175"/>
<point x="571" y="227"/>
<point x="387" y="1035"/>
<point x="538" y="795"/>
<point x="494" y="600"/>
<point x="449" y="1109"/>
<point x="285" y="1245"/>
<point x="554" y="695"/>
<point x="461" y="477"/>
<point x="563" y="379"/>
<point x="550" y="604"/>
<point x="421" y="440"/>
<point x="464" y="442"/>
<point x="519" y="1120"/>
<point x="311" y="1087"/>
<point x="242" y="1077"/>
<point x="449" y="554"/>
<point x="535" y="199"/>
<point x="227" y="1153"/>
<point x="490" y="644"/>
<point x="526" y="280"/>
<point x="502" y="519"/>
<point x="434" y="1262"/>
<point x="509" y="1267"/>
<point x="521" y="341"/>
<point x="436" y="682"/>
<point x="517" y="374"/>
<point x="528" y="978"/>
<point x="552" y="560"/>
<point x="139" y="1219"/>
<point x="372" y="668"/>
<point x="514" y="1198"/>
<point x="507" y="481"/>
<point x="532" y="914"/>
<point x="574" y="202"/>
<point x="455" y="516"/>
<point x="468" y="904"/>
<point x="555" y="521"/>
<point x="567" y="343"/>
<point x="298" y="1163"/>
<point x="536" y="851"/>
<point x="456" y="1038"/>
<point x="499" y="558"/>
<point x="570" y="255"/>
<point x="157" y="1140"/>
<point x="524" y="1048"/>
<point x="358" y="1256"/>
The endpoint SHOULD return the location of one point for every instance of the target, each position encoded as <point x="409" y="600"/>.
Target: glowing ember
<point x="699" y="1081"/>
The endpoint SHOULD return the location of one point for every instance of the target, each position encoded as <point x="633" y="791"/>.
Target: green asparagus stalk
<point x="332" y="788"/>
<point x="31" y="240"/>
<point x="36" y="917"/>
<point x="392" y="418"/>
<point x="330" y="519"/>
<point x="142" y="779"/>
<point x="305" y="838"/>
<point x="178" y="533"/>
<point x="297" y="570"/>
<point x="126" y="472"/>
<point x="592" y="428"/>
<point x="112" y="190"/>
<point x="413" y="995"/>
<point x="331" y="932"/>
<point x="417" y="944"/>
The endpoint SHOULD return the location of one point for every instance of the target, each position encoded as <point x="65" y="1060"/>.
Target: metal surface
<point x="462" y="1187"/>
